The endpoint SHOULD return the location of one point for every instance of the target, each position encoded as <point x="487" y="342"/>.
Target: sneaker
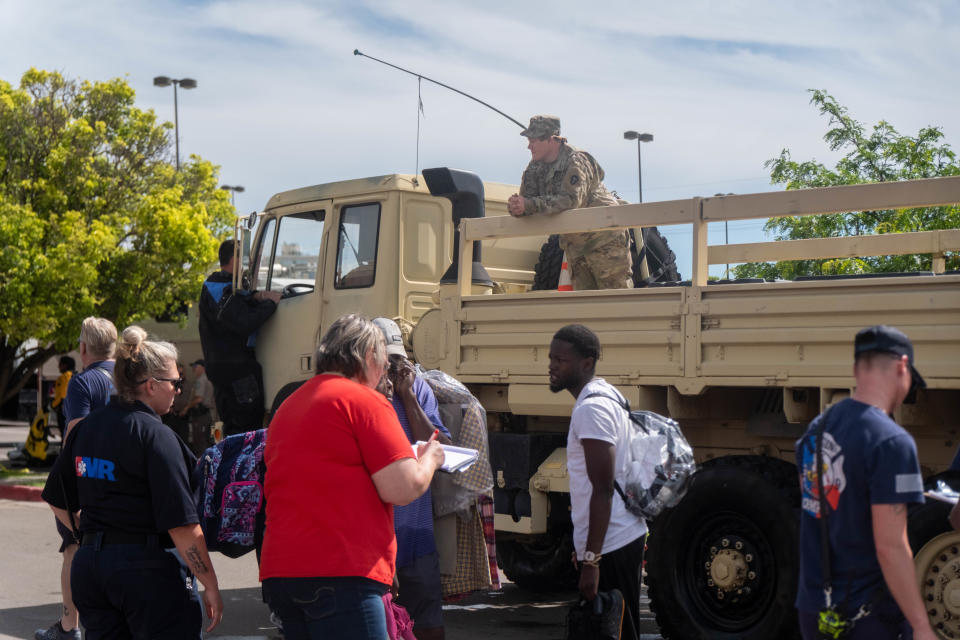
<point x="276" y="621"/>
<point x="56" y="632"/>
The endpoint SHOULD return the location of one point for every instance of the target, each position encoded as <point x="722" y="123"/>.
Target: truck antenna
<point x="357" y="52"/>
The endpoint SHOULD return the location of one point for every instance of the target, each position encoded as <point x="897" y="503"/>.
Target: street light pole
<point x="186" y="83"/>
<point x="639" y="137"/>
<point x="233" y="190"/>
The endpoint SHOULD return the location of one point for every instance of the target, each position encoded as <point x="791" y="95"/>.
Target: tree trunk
<point x="16" y="370"/>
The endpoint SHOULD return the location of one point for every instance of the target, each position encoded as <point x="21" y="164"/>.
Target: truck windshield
<point x="357" y="246"/>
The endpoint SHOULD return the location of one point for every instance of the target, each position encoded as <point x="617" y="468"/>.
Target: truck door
<point x="364" y="277"/>
<point x="289" y="260"/>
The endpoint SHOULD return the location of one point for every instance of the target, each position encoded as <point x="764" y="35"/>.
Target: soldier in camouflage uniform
<point x="560" y="177"/>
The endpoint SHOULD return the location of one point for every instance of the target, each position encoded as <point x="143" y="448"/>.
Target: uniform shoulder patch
<point x="574" y="179"/>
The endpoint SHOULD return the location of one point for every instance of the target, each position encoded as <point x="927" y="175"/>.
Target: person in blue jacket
<point x="229" y="321"/>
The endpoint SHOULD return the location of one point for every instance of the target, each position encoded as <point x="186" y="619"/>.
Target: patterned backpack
<point x="228" y="481"/>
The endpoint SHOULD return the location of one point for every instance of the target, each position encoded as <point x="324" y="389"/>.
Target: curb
<point x="20" y="492"/>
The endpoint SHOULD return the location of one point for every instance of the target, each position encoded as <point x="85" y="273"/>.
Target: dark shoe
<point x="56" y="632"/>
<point x="275" y="619"/>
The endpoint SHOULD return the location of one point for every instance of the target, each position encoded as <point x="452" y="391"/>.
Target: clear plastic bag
<point x="659" y="465"/>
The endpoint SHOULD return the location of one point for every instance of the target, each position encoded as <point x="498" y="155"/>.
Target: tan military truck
<point x="743" y="366"/>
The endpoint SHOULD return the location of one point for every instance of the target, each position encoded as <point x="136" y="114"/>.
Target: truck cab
<point x="377" y="246"/>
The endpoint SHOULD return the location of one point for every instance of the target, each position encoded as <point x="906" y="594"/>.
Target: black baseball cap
<point x="888" y="340"/>
<point x="198" y="362"/>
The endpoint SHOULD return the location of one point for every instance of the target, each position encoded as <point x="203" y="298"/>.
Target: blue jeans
<point x="328" y="608"/>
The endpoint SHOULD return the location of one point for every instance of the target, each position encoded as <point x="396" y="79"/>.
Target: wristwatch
<point x="591" y="557"/>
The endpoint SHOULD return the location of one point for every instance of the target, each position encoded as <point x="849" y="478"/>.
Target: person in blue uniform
<point x="86" y="392"/>
<point x="229" y="321"/>
<point x="870" y="474"/>
<point x="127" y="474"/>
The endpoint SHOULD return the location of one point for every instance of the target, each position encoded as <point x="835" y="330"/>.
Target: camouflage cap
<point x="542" y="127"/>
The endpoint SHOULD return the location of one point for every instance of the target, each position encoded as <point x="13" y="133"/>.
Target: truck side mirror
<point x="465" y="191"/>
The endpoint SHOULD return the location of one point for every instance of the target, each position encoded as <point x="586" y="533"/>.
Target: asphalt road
<point x="30" y="588"/>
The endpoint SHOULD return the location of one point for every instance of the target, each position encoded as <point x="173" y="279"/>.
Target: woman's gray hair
<point x="345" y="346"/>
<point x="100" y="336"/>
<point x="138" y="360"/>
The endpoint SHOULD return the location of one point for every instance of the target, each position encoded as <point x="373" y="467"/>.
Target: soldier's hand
<point x="515" y="205"/>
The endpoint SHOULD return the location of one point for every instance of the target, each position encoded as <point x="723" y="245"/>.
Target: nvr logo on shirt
<point x="94" y="468"/>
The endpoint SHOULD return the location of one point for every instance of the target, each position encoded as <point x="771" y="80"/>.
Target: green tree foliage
<point x="881" y="155"/>
<point x="94" y="219"/>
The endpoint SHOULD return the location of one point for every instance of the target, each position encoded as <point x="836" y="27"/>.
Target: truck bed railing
<point x="701" y="211"/>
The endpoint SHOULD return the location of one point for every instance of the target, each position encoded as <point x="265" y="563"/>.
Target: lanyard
<point x="824" y="530"/>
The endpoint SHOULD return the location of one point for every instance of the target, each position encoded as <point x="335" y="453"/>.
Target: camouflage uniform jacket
<point x="573" y="181"/>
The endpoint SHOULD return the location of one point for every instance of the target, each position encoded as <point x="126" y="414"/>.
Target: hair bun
<point x="131" y="339"/>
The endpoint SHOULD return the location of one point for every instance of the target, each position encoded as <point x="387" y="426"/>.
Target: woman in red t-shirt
<point x="337" y="461"/>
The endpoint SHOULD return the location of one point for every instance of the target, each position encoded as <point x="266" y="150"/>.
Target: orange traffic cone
<point x="565" y="283"/>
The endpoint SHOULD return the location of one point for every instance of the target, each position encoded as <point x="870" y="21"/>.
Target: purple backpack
<point x="229" y="482"/>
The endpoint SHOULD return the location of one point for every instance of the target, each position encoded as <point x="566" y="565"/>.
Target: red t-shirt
<point x="324" y="515"/>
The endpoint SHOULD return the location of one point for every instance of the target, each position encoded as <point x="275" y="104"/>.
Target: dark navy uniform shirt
<point x="868" y="459"/>
<point x="89" y="390"/>
<point x="126" y="471"/>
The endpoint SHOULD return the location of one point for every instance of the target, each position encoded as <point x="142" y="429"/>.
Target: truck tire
<point x="936" y="547"/>
<point x="925" y="522"/>
<point x="928" y="520"/>
<point x="722" y="564"/>
<point x="540" y="564"/>
<point x="660" y="258"/>
<point x="546" y="275"/>
<point x="662" y="262"/>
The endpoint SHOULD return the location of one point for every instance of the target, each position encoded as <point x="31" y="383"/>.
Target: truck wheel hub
<point x="951" y="597"/>
<point x="938" y="569"/>
<point x="728" y="569"/>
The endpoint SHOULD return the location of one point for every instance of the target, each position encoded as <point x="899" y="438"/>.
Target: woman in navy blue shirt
<point x="127" y="474"/>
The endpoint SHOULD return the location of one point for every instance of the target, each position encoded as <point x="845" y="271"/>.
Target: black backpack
<point x="601" y="619"/>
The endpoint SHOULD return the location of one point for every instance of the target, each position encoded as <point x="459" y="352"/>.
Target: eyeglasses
<point x="176" y="382"/>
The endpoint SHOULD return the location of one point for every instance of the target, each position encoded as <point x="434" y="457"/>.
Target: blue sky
<point x="283" y="103"/>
